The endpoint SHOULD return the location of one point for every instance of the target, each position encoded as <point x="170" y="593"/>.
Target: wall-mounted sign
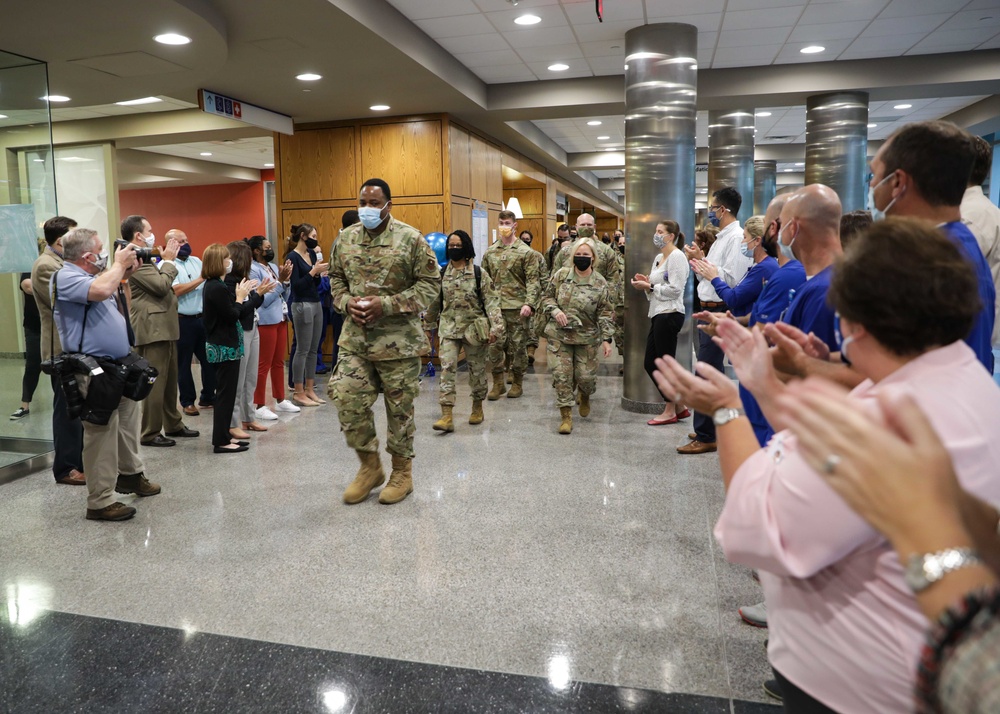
<point x="223" y="106"/>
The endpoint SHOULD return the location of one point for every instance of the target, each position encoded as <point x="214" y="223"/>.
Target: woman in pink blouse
<point x="845" y="628"/>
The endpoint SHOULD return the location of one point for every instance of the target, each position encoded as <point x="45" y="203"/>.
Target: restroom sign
<point x="221" y="105"/>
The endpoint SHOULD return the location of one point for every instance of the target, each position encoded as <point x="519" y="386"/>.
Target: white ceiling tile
<point x="531" y="38"/>
<point x="603" y="32"/>
<point x="496" y="5"/>
<point x="991" y="44"/>
<point x="742" y="38"/>
<point x="760" y="54"/>
<point x="456" y="26"/>
<point x="497" y="74"/>
<point x="983" y="5"/>
<point x="905" y="26"/>
<point x="577" y="68"/>
<point x="973" y="19"/>
<point x="757" y="20"/>
<point x="885" y="45"/>
<point x="606" y="65"/>
<point x="612" y="48"/>
<point x="474" y="60"/>
<point x="910" y="8"/>
<point x="790" y="53"/>
<point x="426" y="9"/>
<point x="827" y="31"/>
<point x="550" y="53"/>
<point x="704" y="22"/>
<point x="582" y="13"/>
<point x="764" y="4"/>
<point x="551" y="15"/>
<point x="475" y="43"/>
<point x="967" y="38"/>
<point x="666" y="8"/>
<point x="818" y="13"/>
<point x="926" y="49"/>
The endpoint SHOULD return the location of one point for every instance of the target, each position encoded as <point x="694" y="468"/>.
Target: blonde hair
<point x="755" y="226"/>
<point x="590" y="243"/>
<point x="213" y="262"/>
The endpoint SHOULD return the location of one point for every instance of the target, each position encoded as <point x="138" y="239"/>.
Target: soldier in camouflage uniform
<point x="466" y="294"/>
<point x="383" y="274"/>
<point x="580" y="312"/>
<point x="537" y="322"/>
<point x="516" y="276"/>
<point x="618" y="243"/>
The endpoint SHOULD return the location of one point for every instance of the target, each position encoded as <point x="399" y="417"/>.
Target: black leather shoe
<point x="224" y="450"/>
<point x="184" y="432"/>
<point x="159" y="440"/>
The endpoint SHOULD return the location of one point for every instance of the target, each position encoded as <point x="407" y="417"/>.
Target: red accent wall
<point x="217" y="213"/>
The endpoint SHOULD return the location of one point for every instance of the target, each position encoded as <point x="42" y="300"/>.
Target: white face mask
<point x="786" y="250"/>
<point x="150" y="240"/>
<point x="102" y="260"/>
<point x="229" y="267"/>
<point x="658" y="240"/>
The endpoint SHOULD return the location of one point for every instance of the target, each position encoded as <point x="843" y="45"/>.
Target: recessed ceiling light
<point x="812" y="49"/>
<point x="603" y="138"/>
<point x="872" y="126"/>
<point x="206" y="153"/>
<point x="55" y="98"/>
<point x="527" y="20"/>
<point x="172" y="38"/>
<point x="308" y="77"/>
<point x="787" y="170"/>
<point x="558" y="67"/>
<point x="902" y="106"/>
<point x="763" y="114"/>
<point x="136" y="102"/>
<point x="268" y="166"/>
<point x="379" y="107"/>
<point x="594" y="122"/>
<point x="39" y="161"/>
<point x="3" y="116"/>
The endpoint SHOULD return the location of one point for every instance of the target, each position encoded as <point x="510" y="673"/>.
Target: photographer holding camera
<point x="153" y="310"/>
<point x="89" y="313"/>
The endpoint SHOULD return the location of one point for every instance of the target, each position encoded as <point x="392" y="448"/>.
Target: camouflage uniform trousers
<point x="535" y="328"/>
<point x="620" y="329"/>
<point x="354" y="389"/>
<point x="475" y="357"/>
<point x="512" y="347"/>
<point x="572" y="365"/>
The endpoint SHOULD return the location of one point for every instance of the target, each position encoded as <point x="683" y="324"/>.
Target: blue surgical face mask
<point x="658" y="240"/>
<point x="842" y="342"/>
<point x="713" y="219"/>
<point x="878" y="215"/>
<point x="370" y="216"/>
<point x="786" y="250"/>
<point x="746" y="250"/>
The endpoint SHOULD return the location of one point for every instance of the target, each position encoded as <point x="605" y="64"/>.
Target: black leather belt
<point x="180" y="314"/>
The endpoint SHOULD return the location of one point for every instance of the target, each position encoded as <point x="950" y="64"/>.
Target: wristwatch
<point x="723" y="416"/>
<point x="922" y="571"/>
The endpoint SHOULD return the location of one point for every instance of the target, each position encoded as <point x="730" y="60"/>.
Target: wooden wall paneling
<point x="531" y="199"/>
<point x="494" y="175"/>
<point x="461" y="217"/>
<point x="461" y="175"/>
<point x="425" y="217"/>
<point x="317" y="165"/>
<point x="494" y="218"/>
<point x="407" y="155"/>
<point x="479" y="168"/>
<point x="326" y="220"/>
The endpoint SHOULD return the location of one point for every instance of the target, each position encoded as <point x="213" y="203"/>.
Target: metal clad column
<point x="765" y="184"/>
<point x="661" y="90"/>
<point x="730" y="155"/>
<point x="837" y="145"/>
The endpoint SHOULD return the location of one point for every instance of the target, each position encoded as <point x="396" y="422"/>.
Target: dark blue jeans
<point x="67" y="435"/>
<point x="190" y="345"/>
<point x="712" y="354"/>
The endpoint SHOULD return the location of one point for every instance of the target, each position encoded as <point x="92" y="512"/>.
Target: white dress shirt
<point x="983" y="219"/>
<point x="667" y="279"/>
<point x="725" y="255"/>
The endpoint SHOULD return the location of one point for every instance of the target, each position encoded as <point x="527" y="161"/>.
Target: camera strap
<point x="52" y="336"/>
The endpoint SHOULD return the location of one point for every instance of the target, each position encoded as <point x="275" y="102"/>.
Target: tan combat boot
<point x="566" y="427"/>
<point x="477" y="412"/>
<point x="445" y="423"/>
<point x="531" y="354"/>
<point x="584" y="404"/>
<point x="499" y="388"/>
<point x="400" y="481"/>
<point x="515" y="389"/>
<point x="369" y="476"/>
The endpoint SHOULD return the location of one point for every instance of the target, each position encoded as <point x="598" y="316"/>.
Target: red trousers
<point x="273" y="342"/>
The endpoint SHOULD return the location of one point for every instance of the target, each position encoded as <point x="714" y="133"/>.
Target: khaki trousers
<point x="111" y="450"/>
<point x="159" y="409"/>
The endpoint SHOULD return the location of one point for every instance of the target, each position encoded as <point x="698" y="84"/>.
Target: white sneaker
<point x="265" y="414"/>
<point x="755" y="615"/>
<point x="286" y="406"/>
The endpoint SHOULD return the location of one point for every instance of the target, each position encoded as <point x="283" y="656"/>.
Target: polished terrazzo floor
<point x="528" y="572"/>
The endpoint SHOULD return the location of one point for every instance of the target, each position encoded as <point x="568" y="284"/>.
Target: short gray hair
<point x="77" y="242"/>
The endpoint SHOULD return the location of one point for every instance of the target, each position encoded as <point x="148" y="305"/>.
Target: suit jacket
<point x="45" y="266"/>
<point x="154" y="306"/>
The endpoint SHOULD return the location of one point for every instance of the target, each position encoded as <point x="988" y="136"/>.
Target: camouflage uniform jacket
<point x="515" y="273"/>
<point x="587" y="305"/>
<point x="605" y="263"/>
<point x="620" y="297"/>
<point x="398" y="266"/>
<point x="461" y="303"/>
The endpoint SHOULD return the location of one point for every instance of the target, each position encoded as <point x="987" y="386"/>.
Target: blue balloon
<point x="439" y="244"/>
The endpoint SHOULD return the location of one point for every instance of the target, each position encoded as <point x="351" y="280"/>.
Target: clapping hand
<point x="792" y="347"/>
<point x="749" y="354"/>
<point x="704" y="269"/>
<point x="267" y="286"/>
<point x="170" y="252"/>
<point x="285" y="272"/>
<point x="641" y="282"/>
<point x="710" y="320"/>
<point x="706" y="395"/>
<point x="244" y="288"/>
<point x="694" y="252"/>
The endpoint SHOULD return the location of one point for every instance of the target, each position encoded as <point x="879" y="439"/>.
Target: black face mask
<point x="526" y="241"/>
<point x="269" y="256"/>
<point x="582" y="262"/>
<point x="311" y="243"/>
<point x="456" y="253"/>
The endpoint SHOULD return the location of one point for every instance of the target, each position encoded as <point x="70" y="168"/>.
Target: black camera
<point x="145" y="255"/>
<point x="65" y="367"/>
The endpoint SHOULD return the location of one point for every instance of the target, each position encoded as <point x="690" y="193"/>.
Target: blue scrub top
<point x="981" y="337"/>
